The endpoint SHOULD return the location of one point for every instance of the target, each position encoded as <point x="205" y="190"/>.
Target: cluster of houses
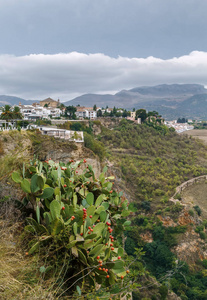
<point x="50" y="108"/>
<point x="179" y="127"/>
<point x="43" y="110"/>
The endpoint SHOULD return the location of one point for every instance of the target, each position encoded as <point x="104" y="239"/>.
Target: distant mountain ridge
<point x="170" y="89"/>
<point x="170" y="100"/>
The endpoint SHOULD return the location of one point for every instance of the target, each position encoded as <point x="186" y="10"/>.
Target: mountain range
<point x="171" y="101"/>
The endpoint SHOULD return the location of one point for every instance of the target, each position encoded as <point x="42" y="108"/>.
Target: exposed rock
<point x="96" y="129"/>
<point x="79" y="152"/>
<point x="172" y="296"/>
<point x="167" y="221"/>
<point x="191" y="248"/>
<point x="185" y="219"/>
<point x="147" y="237"/>
<point x="16" y="143"/>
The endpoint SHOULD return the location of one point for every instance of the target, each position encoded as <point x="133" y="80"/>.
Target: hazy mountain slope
<point x="172" y="101"/>
<point x="12" y="100"/>
<point x="171" y="89"/>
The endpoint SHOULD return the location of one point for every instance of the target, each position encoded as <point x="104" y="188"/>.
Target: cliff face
<point x="190" y="246"/>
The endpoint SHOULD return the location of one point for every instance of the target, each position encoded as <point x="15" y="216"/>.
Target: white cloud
<point x="66" y="75"/>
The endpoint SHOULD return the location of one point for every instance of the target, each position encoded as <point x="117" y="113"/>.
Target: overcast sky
<point x="66" y="48"/>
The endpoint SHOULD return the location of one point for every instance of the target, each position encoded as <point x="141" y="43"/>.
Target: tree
<point x="153" y="114"/>
<point x="99" y="113"/>
<point x="61" y="106"/>
<point x="183" y="120"/>
<point x="95" y="107"/>
<point x="141" y="113"/>
<point x="125" y="113"/>
<point x="16" y="113"/>
<point x="7" y="114"/>
<point x="114" y="111"/>
<point x="70" y="112"/>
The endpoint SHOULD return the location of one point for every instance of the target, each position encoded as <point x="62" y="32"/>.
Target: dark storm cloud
<point x="67" y="75"/>
<point x="45" y="45"/>
<point x="132" y="28"/>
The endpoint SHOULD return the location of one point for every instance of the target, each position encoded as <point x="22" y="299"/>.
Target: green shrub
<point x="178" y="196"/>
<point x="163" y="290"/>
<point x="205" y="223"/>
<point x="191" y="212"/>
<point x="96" y="146"/>
<point x="177" y="207"/>
<point x="146" y="205"/>
<point x="197" y="209"/>
<point x="199" y="228"/>
<point x="202" y="235"/>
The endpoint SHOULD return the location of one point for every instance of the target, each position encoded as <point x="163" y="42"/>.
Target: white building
<point x="76" y="136"/>
<point x="38" y="112"/>
<point x="86" y="112"/>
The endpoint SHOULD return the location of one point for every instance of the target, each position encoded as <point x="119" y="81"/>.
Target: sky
<point x="65" y="48"/>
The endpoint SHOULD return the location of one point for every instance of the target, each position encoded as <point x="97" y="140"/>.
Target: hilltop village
<point x="52" y="110"/>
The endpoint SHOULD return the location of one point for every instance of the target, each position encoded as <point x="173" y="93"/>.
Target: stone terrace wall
<point x="186" y="184"/>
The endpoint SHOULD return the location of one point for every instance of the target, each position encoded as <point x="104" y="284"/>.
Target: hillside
<point x="12" y="100"/>
<point x="148" y="164"/>
<point x="172" y="101"/>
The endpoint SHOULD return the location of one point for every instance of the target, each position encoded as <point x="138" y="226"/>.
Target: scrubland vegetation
<point x="153" y="161"/>
<point x="57" y="244"/>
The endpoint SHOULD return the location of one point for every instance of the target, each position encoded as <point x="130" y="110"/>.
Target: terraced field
<point x="196" y="194"/>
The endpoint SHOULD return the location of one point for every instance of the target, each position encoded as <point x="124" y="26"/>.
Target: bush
<point x="191" y="212"/>
<point x="197" y="209"/>
<point x="205" y="223"/>
<point x="163" y="290"/>
<point x="96" y="146"/>
<point x="202" y="235"/>
<point x="146" y="205"/>
<point x="178" y="196"/>
<point x="199" y="228"/>
<point x="177" y="207"/>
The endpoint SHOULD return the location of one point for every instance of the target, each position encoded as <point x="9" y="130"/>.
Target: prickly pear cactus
<point x="81" y="215"/>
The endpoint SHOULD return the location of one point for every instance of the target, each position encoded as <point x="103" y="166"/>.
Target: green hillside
<point x="153" y="161"/>
<point x="148" y="162"/>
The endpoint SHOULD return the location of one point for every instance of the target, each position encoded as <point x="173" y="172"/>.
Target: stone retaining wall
<point x="186" y="184"/>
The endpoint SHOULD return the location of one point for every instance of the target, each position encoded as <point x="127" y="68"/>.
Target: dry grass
<point x="19" y="277"/>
